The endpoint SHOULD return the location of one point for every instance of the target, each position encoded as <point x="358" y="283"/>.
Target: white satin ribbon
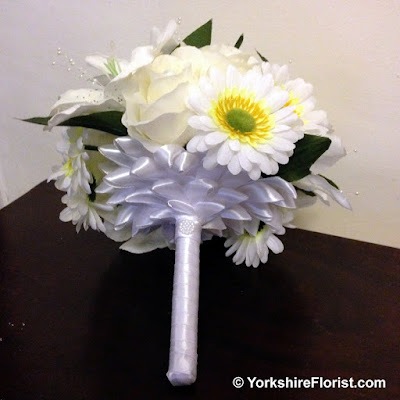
<point x="185" y="302"/>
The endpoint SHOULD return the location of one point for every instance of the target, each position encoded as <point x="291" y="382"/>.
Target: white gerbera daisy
<point x="83" y="211"/>
<point x="73" y="174"/>
<point x="253" y="248"/>
<point x="243" y="122"/>
<point x="315" y="122"/>
<point x="300" y="96"/>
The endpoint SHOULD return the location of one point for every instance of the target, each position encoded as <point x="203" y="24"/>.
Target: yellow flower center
<point x="242" y="117"/>
<point x="67" y="167"/>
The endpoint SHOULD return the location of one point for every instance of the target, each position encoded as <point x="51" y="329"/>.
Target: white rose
<point x="154" y="98"/>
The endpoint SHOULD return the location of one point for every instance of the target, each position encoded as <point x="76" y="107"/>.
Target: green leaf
<point x="330" y="181"/>
<point x="239" y="41"/>
<point x="201" y="36"/>
<point x="93" y="185"/>
<point x="307" y="151"/>
<point x="37" y="120"/>
<point x="262" y="57"/>
<point x="90" y="147"/>
<point x="307" y="192"/>
<point x="108" y="121"/>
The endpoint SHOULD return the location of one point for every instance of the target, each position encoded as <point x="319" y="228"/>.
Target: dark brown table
<point x="80" y="319"/>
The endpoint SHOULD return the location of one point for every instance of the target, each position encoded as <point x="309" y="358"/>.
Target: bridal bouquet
<point x="189" y="140"/>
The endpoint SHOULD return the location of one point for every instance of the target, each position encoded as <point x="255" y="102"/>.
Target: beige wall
<point x="349" y="50"/>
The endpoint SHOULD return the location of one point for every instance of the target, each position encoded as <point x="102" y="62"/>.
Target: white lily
<point x="74" y="103"/>
<point x="322" y="189"/>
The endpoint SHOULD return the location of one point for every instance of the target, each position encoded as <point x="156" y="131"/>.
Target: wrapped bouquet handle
<point x="186" y="141"/>
<point x="185" y="303"/>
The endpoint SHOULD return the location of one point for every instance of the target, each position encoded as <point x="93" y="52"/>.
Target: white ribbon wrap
<point x="185" y="303"/>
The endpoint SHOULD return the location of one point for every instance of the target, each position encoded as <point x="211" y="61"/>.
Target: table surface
<point x="80" y="319"/>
